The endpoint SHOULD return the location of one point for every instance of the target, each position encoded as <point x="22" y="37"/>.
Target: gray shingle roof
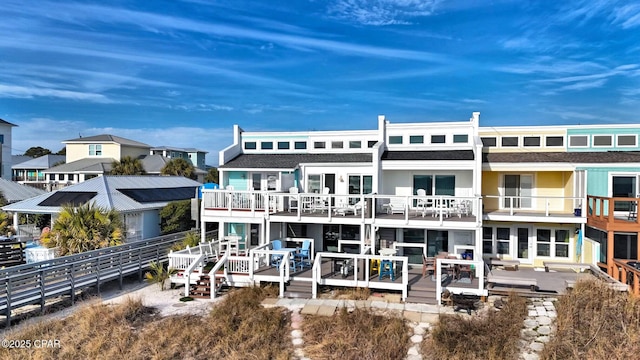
<point x="108" y="192"/>
<point x="591" y="157"/>
<point x="42" y="162"/>
<point x="86" y="165"/>
<point x="6" y="122"/>
<point x="13" y="191"/>
<point x="291" y="161"/>
<point x="428" y="155"/>
<point x="106" y="138"/>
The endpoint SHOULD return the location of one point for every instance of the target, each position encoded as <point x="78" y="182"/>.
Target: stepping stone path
<point x="538" y="327"/>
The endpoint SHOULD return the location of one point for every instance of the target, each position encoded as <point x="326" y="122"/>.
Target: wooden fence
<point x="12" y="253"/>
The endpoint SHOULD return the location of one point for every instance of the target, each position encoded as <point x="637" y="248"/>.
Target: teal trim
<point x="598" y="178"/>
<point x="238" y="179"/>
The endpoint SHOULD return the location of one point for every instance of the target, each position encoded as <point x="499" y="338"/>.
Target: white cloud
<point x="381" y="12"/>
<point x="13" y="91"/>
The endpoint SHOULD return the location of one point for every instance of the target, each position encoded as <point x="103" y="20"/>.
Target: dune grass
<point x="595" y="322"/>
<point x="237" y="328"/>
<point x="360" y="334"/>
<point x="492" y="336"/>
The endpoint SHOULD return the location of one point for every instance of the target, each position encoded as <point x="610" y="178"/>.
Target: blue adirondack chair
<point x="303" y="257"/>
<point x="276" y="258"/>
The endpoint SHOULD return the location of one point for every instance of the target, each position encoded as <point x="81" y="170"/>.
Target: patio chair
<point x="423" y="204"/>
<point x="276" y="259"/>
<point x="396" y="206"/>
<point x="303" y="257"/>
<point x="428" y="265"/>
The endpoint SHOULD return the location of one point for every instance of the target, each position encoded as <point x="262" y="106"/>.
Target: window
<point x="70" y="177"/>
<point x="300" y="145"/>
<point x="395" y="140"/>
<point x="283" y="145"/>
<point x="487" y="240"/>
<point x="602" y="140"/>
<point x="319" y="145"/>
<point x="503" y="238"/>
<point x="555" y="141"/>
<point x="517" y="191"/>
<point x="256" y="180"/>
<point x="437" y="241"/>
<point x="625" y="246"/>
<point x="489" y="141"/>
<point x="371" y="143"/>
<point x="600" y="237"/>
<point x="95" y="150"/>
<point x="314" y="184"/>
<point x="543" y="242"/>
<point x="435" y="185"/>
<point x="61" y="177"/>
<point x="416" y="139"/>
<point x="562" y="243"/>
<point x="355" y="144"/>
<point x="531" y="141"/>
<point x="337" y="144"/>
<point x="266" y="145"/>
<point x="623" y="186"/>
<point x="627" y="140"/>
<point x="251" y="145"/>
<point x="1" y="139"/>
<point x="461" y="138"/>
<point x="359" y="185"/>
<point x="578" y="141"/>
<point x="438" y="139"/>
<point x="509" y="141"/>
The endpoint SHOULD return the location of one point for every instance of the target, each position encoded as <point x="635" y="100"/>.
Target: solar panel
<point x="160" y="194"/>
<point x="74" y="198"/>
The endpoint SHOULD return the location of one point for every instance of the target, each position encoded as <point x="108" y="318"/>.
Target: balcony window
<point x="578" y="141"/>
<point x="395" y="140"/>
<point x="625" y="246"/>
<point x="554" y="141"/>
<point x="627" y="140"/>
<point x="503" y="240"/>
<point x="489" y="141"/>
<point x="531" y="141"/>
<point x="509" y="141"/>
<point x="437" y="241"/>
<point x="461" y="138"/>
<point x="283" y="145"/>
<point x="300" y="145"/>
<point x="602" y="140"/>
<point x="250" y="145"/>
<point x="416" y="139"/>
<point x="543" y="242"/>
<point x="517" y="190"/>
<point x="438" y="139"/>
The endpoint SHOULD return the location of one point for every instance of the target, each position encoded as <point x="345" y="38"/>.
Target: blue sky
<point x="181" y="73"/>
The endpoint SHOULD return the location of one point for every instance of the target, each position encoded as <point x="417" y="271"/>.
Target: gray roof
<point x="13" y="191"/>
<point x="108" y="194"/>
<point x="428" y="155"/>
<point x="17" y="159"/>
<point x="589" y="157"/>
<point x="42" y="162"/>
<point x="106" y="138"/>
<point x="86" y="165"/>
<point x="191" y="150"/>
<point x="153" y="164"/>
<point x="291" y="161"/>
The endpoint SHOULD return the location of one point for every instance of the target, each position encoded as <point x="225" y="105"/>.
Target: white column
<point x="15" y="222"/>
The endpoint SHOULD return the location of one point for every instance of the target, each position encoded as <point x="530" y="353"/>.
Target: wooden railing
<point x="627" y="274"/>
<point x="35" y="283"/>
<point x="603" y="209"/>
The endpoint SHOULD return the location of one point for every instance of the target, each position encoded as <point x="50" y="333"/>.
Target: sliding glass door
<point x="518" y="190"/>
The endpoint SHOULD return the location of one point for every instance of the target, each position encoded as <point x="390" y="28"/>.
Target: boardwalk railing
<point x="35" y="283"/>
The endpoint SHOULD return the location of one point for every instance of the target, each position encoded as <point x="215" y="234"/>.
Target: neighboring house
<point x="30" y="171"/>
<point x="14" y="192"/>
<point x="138" y="199"/>
<point x="92" y="156"/>
<point x="527" y="193"/>
<point x="5" y="149"/>
<point x="195" y="156"/>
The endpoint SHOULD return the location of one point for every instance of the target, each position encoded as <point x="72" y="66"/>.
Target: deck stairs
<point x="298" y="289"/>
<point x="422" y="291"/>
<point x="202" y="288"/>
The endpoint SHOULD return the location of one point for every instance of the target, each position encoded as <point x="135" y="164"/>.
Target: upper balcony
<point x="613" y="213"/>
<point x="322" y="208"/>
<point x="533" y="209"/>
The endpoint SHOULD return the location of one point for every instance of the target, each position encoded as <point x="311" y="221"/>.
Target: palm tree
<point x="179" y="167"/>
<point x="159" y="274"/>
<point x="83" y="228"/>
<point x="212" y="176"/>
<point x="127" y="166"/>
